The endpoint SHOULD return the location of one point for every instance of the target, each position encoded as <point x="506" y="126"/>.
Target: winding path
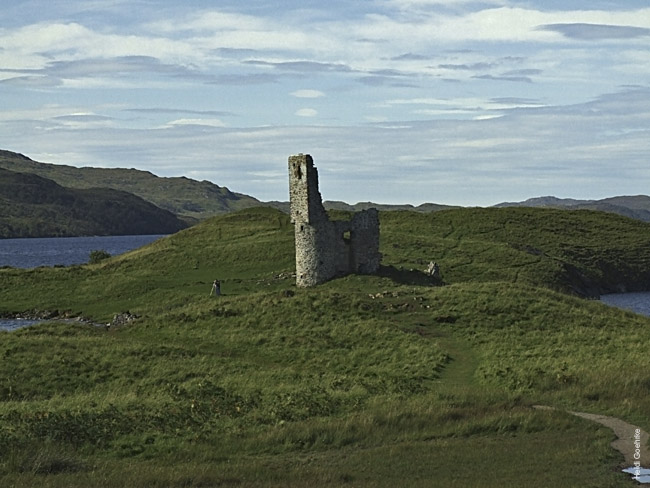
<point x="625" y="435"/>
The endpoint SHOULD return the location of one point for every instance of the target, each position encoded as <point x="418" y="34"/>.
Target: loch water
<point x="65" y="251"/>
<point x="13" y="324"/>
<point x="60" y="251"/>
<point x="638" y="302"/>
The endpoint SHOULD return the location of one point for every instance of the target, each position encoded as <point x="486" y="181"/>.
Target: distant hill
<point x="336" y="205"/>
<point x="32" y="206"/>
<point x="425" y="207"/>
<point x="193" y="200"/>
<point x="636" y="207"/>
<point x="189" y="199"/>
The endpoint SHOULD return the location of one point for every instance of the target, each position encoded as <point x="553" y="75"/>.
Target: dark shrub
<point x="97" y="256"/>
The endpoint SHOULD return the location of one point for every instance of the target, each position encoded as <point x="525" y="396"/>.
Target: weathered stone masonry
<point x="326" y="249"/>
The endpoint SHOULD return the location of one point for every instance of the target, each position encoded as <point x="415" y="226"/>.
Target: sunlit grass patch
<point x="365" y="380"/>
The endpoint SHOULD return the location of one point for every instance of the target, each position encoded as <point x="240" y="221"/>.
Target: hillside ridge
<point x="633" y="206"/>
<point x="194" y="200"/>
<point x="189" y="199"/>
<point x="33" y="206"/>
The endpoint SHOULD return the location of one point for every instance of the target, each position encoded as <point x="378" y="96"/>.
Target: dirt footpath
<point x="626" y="435"/>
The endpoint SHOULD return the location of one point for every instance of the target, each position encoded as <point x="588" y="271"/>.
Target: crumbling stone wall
<point x="326" y="249"/>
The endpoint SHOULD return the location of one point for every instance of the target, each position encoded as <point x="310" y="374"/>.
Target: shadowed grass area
<point x="364" y="381"/>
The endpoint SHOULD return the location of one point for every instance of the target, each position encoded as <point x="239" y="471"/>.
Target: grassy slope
<point x="364" y="381"/>
<point x="584" y="251"/>
<point x="37" y="207"/>
<point x="189" y="199"/>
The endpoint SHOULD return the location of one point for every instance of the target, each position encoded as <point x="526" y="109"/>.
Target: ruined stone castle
<point x="326" y="249"/>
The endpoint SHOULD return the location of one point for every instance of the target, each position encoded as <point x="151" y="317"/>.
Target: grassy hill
<point x="189" y="199"/>
<point x="37" y="207"/>
<point x="365" y="381"/>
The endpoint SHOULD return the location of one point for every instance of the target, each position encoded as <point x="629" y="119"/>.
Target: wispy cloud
<point x="83" y="118"/>
<point x="306" y="112"/>
<point x="470" y="161"/>
<point x="239" y="79"/>
<point x="411" y="57"/>
<point x="597" y="32"/>
<point x="484" y="97"/>
<point x="165" y="111"/>
<point x="307" y="94"/>
<point x="468" y="67"/>
<point x="112" y="66"/>
<point x="518" y="79"/>
<point x="303" y="66"/>
<point x="197" y="122"/>
<point x="84" y="121"/>
<point x="33" y="81"/>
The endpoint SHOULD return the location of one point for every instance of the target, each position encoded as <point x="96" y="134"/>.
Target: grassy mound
<point x="364" y="381"/>
<point x="582" y="252"/>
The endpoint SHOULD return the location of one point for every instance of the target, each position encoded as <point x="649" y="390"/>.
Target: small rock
<point x="123" y="318"/>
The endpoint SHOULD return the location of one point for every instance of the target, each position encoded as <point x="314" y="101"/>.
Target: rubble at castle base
<point x="326" y="249"/>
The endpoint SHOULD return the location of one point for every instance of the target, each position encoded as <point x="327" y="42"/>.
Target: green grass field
<point x="365" y="381"/>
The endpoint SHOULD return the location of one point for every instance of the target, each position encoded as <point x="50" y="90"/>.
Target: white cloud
<point x="36" y="46"/>
<point x="209" y="22"/>
<point x="307" y="94"/>
<point x="48" y="111"/>
<point x="452" y="107"/>
<point x="204" y="122"/>
<point x="84" y="121"/>
<point x="195" y="40"/>
<point x="417" y="32"/>
<point x="588" y="150"/>
<point x="307" y="112"/>
<point x="596" y="32"/>
<point x="474" y="137"/>
<point x="410" y="4"/>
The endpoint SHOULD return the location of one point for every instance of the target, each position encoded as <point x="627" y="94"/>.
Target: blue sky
<point x="399" y="101"/>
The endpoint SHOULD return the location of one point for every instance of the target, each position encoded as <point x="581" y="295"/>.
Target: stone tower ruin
<point x="326" y="249"/>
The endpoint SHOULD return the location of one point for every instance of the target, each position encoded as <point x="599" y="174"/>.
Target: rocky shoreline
<point x="119" y="319"/>
<point x="44" y="315"/>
